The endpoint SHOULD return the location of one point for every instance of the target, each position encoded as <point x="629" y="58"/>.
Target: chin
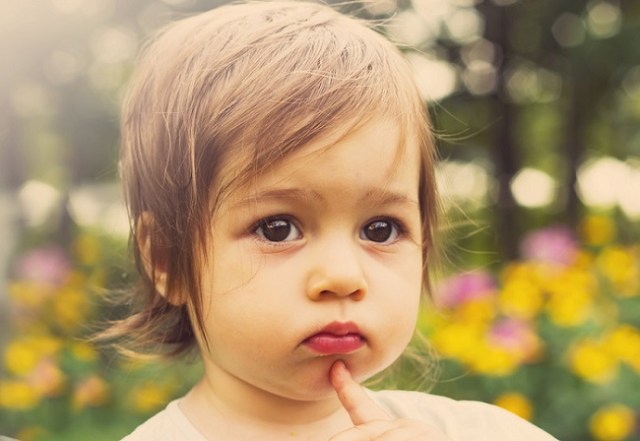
<point x="363" y="371"/>
<point x="312" y="383"/>
<point x="308" y="392"/>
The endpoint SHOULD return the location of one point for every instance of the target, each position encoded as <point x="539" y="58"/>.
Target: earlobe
<point x="152" y="259"/>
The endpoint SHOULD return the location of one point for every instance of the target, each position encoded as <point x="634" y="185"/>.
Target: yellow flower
<point x="597" y="230"/>
<point x="593" y="361"/>
<point x="149" y="397"/>
<point x="458" y="339"/>
<point x="584" y="261"/>
<point x="517" y="270"/>
<point x="481" y="310"/>
<point x="29" y="294"/>
<point x="620" y="266"/>
<point x="570" y="308"/>
<point x="521" y="299"/>
<point x="571" y="297"/>
<point x="21" y="356"/>
<point x="70" y="308"/>
<point x="46" y="344"/>
<point x="534" y="272"/>
<point x="624" y="343"/>
<point x="91" y="392"/>
<point x="18" y="395"/>
<point x="516" y="403"/>
<point x="493" y="360"/>
<point x="614" y="422"/>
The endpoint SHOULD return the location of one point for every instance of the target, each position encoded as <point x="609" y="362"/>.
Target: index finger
<point x="360" y="407"/>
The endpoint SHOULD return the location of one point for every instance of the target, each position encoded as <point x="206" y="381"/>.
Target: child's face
<point x="325" y="243"/>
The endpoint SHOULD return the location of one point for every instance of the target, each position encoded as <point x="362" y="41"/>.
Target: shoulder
<point x="460" y="420"/>
<point x="169" y="424"/>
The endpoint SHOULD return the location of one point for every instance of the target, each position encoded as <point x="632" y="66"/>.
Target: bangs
<point x="307" y="80"/>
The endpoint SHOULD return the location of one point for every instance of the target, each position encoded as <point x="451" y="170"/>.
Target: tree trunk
<point x="505" y="154"/>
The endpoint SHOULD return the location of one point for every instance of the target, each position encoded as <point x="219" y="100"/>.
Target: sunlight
<point x="629" y="191"/>
<point x="464" y="25"/>
<point x="38" y="200"/>
<point x="527" y="82"/>
<point x="607" y="182"/>
<point x="569" y="30"/>
<point x="376" y="7"/>
<point x="604" y="19"/>
<point x="463" y="182"/>
<point x="114" y="45"/>
<point x="99" y="205"/>
<point x="436" y="78"/>
<point x="533" y="188"/>
<point x="599" y="180"/>
<point x="409" y="28"/>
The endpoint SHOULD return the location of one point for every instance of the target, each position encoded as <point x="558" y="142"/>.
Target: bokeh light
<point x="533" y="188"/>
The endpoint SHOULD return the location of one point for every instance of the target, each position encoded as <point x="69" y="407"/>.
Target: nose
<point x="337" y="271"/>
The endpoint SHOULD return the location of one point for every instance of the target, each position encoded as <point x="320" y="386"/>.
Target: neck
<point x="220" y="405"/>
<point x="243" y="399"/>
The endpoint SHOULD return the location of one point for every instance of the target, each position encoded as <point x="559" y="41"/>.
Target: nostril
<point x="357" y="294"/>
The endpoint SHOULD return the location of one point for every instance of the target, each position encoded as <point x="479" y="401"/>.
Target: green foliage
<point x="56" y="384"/>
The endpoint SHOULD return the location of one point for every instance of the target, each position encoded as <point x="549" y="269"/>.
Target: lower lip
<point x="328" y="344"/>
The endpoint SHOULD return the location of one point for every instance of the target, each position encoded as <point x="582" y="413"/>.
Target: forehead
<point x="376" y="157"/>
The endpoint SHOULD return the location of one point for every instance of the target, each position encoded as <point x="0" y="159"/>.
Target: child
<point x="279" y="173"/>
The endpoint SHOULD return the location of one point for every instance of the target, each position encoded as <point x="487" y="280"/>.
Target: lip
<point x="336" y="338"/>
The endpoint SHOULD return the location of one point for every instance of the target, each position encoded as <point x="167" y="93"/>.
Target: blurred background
<point x="537" y="107"/>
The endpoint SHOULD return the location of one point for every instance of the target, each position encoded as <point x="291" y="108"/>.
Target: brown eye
<point x="277" y="230"/>
<point x="380" y="231"/>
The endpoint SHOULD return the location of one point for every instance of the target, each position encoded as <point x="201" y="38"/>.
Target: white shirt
<point x="459" y="420"/>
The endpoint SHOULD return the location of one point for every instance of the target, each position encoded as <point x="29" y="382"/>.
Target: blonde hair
<point x="245" y="84"/>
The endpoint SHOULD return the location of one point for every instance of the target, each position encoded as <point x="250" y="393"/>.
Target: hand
<point x="370" y="422"/>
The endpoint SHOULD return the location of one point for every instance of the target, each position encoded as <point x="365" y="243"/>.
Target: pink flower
<point x="463" y="287"/>
<point x="91" y="392"/>
<point x="517" y="337"/>
<point x="47" y="378"/>
<point x="49" y="264"/>
<point x="553" y="245"/>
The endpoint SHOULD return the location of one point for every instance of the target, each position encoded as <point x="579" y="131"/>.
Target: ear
<point x="153" y="261"/>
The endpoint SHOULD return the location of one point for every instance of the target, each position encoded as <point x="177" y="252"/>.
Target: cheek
<point x="240" y="294"/>
<point x="398" y="281"/>
<point x="405" y="291"/>
<point x="233" y="268"/>
<point x="403" y="271"/>
<point x="225" y="279"/>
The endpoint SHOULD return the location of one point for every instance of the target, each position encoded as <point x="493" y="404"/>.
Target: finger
<point x="353" y="397"/>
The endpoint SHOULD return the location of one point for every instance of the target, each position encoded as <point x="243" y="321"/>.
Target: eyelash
<point x="262" y="223"/>
<point x="399" y="229"/>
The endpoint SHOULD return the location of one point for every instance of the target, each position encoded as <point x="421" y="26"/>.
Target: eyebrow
<point x="281" y="194"/>
<point x="376" y="196"/>
<point x="387" y="197"/>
